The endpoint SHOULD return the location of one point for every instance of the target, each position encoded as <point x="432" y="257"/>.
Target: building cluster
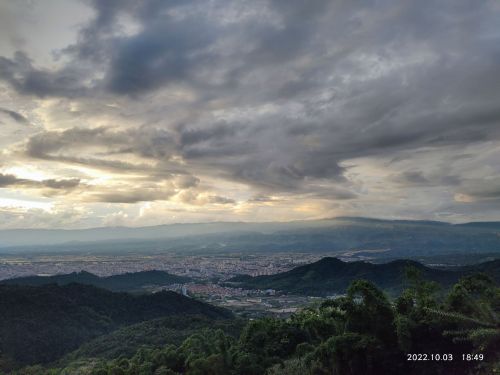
<point x="201" y="267"/>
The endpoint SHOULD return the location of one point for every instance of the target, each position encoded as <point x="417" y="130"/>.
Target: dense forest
<point x="332" y="276"/>
<point x="126" y="282"/>
<point x="363" y="332"/>
<point x="41" y="324"/>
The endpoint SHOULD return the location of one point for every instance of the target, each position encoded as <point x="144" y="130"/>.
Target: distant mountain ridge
<point x="331" y="276"/>
<point x="384" y="239"/>
<point x="120" y="283"/>
<point x="30" y="237"/>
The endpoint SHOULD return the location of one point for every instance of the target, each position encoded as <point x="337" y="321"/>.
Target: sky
<point x="150" y="112"/>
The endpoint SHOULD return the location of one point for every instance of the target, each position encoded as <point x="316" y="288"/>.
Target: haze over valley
<point x="266" y="187"/>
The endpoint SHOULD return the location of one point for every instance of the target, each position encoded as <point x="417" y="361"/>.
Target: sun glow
<point x="27" y="172"/>
<point x="21" y="204"/>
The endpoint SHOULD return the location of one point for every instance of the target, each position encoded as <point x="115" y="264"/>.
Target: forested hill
<point x="361" y="333"/>
<point x="331" y="275"/>
<point x="121" y="283"/>
<point x="40" y="324"/>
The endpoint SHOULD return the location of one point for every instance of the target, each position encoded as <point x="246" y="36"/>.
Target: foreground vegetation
<point x="42" y="324"/>
<point x="360" y="333"/>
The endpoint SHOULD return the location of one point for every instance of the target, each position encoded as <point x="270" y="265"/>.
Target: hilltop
<point x="332" y="276"/>
<point x="132" y="281"/>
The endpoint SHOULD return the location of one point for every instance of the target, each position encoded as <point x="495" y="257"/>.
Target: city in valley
<point x="208" y="274"/>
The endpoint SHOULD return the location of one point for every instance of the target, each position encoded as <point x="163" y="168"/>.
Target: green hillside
<point x="40" y="324"/>
<point x="152" y="334"/>
<point x="362" y="333"/>
<point x="119" y="283"/>
<point x="333" y="276"/>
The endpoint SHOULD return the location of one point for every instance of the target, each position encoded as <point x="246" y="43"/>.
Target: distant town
<point x="209" y="273"/>
<point x="203" y="267"/>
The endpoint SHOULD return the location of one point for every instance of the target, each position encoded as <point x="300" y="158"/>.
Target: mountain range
<point x="382" y="239"/>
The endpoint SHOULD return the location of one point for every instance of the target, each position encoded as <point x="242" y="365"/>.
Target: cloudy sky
<point x="148" y="112"/>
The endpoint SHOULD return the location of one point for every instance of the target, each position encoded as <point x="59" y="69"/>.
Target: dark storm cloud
<point x="156" y="57"/>
<point x="300" y="86"/>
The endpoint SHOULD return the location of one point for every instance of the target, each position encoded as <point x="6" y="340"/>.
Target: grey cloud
<point x="483" y="190"/>
<point x="196" y="198"/>
<point x="70" y="146"/>
<point x="337" y="194"/>
<point x="15" y="116"/>
<point x="8" y="180"/>
<point x="61" y="184"/>
<point x="413" y="177"/>
<point x="156" y="57"/>
<point x="216" y="199"/>
<point x="261" y="198"/>
<point x="132" y="196"/>
<point x="26" y="79"/>
<point x="450" y="180"/>
<point x="417" y="178"/>
<point x="186" y="181"/>
<point x="44" y="143"/>
<point x="190" y="136"/>
<point x="61" y="146"/>
<point x="282" y="93"/>
<point x="108" y="165"/>
<point x="296" y="25"/>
